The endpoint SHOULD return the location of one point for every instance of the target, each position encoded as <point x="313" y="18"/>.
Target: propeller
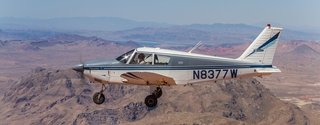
<point x="82" y="79"/>
<point x="80" y="69"/>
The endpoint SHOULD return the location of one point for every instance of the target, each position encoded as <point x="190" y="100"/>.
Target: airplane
<point x="155" y="67"/>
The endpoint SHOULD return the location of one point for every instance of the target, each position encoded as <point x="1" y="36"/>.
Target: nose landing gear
<point x="99" y="97"/>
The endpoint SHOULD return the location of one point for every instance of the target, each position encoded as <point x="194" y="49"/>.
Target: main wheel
<point x="158" y="93"/>
<point x="98" y="98"/>
<point x="151" y="101"/>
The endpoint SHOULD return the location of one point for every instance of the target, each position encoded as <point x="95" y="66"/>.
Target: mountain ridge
<point x="305" y="49"/>
<point x="58" y="97"/>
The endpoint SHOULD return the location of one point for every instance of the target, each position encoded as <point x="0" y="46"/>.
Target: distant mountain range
<point x="76" y="23"/>
<point x="112" y="28"/>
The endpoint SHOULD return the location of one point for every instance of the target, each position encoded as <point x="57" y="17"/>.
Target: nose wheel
<point x="99" y="97"/>
<point x="151" y="100"/>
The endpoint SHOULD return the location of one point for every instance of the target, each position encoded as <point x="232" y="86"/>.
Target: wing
<point x="146" y="78"/>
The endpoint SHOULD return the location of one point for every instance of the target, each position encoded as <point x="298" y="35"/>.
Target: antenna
<point x="196" y="46"/>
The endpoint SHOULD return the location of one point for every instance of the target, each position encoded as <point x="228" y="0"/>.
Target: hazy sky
<point x="286" y="12"/>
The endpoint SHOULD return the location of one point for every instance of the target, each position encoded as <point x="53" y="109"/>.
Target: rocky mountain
<point x="60" y="52"/>
<point x="299" y="53"/>
<point x="290" y="45"/>
<point x="65" y="40"/>
<point x="44" y="96"/>
<point x="305" y="49"/>
<point x="48" y="96"/>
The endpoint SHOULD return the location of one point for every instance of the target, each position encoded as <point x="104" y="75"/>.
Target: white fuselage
<point x="180" y="76"/>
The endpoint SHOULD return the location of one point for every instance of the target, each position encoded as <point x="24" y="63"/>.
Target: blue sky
<point x="287" y="12"/>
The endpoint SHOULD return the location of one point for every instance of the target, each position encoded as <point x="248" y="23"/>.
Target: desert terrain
<point x="38" y="87"/>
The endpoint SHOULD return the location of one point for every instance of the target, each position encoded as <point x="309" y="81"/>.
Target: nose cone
<point x="78" y="67"/>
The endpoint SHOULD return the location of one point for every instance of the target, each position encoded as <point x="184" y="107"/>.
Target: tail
<point x="263" y="47"/>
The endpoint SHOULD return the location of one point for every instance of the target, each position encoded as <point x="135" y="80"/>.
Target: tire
<point x="98" y="100"/>
<point x="151" y="101"/>
<point x="158" y="94"/>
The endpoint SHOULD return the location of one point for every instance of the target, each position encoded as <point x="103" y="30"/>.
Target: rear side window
<point x="161" y="60"/>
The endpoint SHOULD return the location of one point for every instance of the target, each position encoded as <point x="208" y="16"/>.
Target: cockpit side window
<point x="125" y="57"/>
<point x="142" y="58"/>
<point x="149" y="59"/>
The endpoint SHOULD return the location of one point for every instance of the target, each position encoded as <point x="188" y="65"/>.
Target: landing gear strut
<point x="98" y="97"/>
<point x="151" y="100"/>
<point x="158" y="92"/>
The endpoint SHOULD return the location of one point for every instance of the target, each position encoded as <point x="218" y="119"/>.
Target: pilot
<point x="141" y="59"/>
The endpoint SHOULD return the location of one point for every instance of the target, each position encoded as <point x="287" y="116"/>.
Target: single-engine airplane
<point x="157" y="67"/>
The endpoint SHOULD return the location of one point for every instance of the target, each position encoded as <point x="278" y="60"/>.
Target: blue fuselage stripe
<point x="173" y="67"/>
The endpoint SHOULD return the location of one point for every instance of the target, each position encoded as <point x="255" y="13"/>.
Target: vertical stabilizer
<point x="263" y="47"/>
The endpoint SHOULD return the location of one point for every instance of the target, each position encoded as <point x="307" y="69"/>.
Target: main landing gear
<point x="99" y="97"/>
<point x="151" y="100"/>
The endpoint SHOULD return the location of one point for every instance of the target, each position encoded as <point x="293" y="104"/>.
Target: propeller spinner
<point x="78" y="67"/>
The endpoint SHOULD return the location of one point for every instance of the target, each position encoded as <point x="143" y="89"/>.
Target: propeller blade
<point x="80" y="69"/>
<point x="82" y="79"/>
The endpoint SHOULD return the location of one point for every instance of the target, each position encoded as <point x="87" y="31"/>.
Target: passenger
<point x="141" y="59"/>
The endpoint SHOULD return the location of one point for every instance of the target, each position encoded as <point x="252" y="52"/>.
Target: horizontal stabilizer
<point x="274" y="69"/>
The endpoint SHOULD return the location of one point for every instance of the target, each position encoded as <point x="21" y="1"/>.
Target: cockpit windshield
<point x="125" y="57"/>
